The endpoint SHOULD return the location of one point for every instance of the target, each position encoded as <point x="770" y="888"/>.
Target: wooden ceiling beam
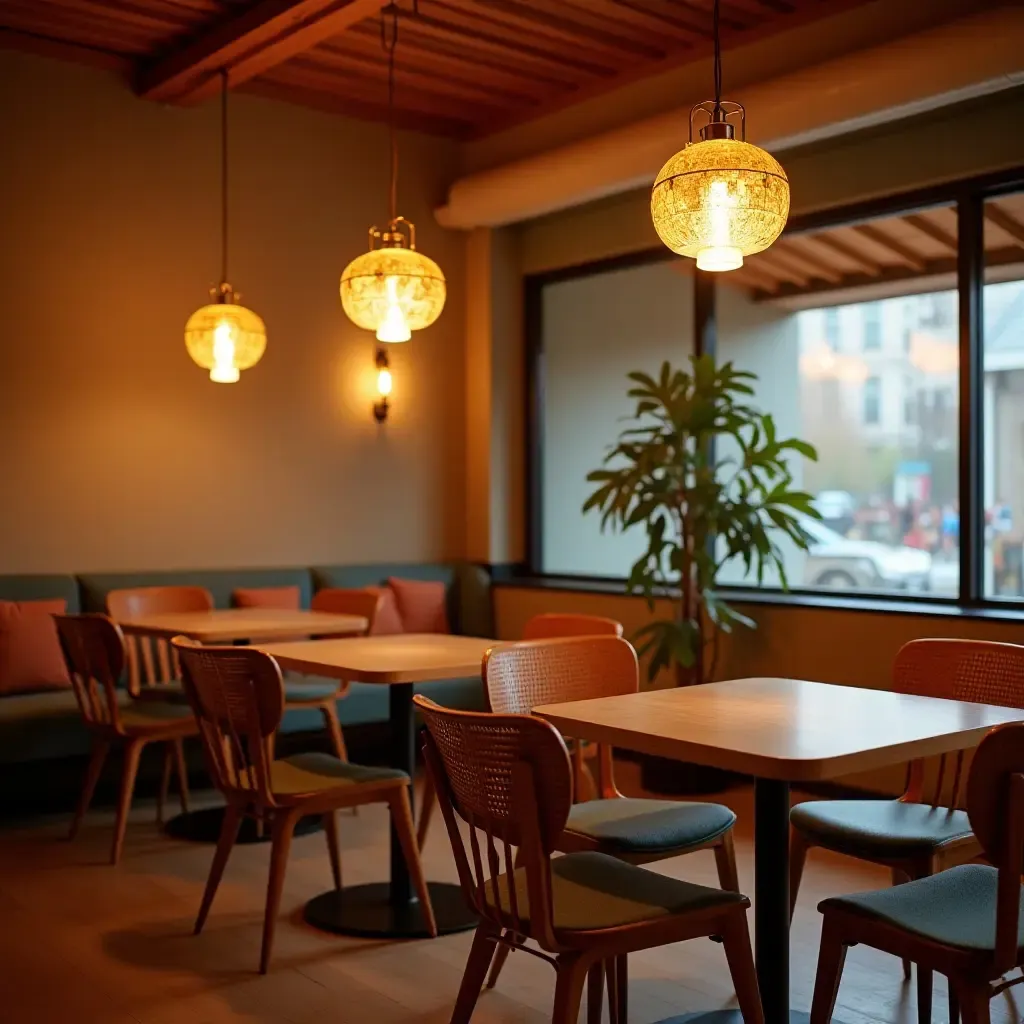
<point x="933" y="231"/>
<point x="1001" y="219"/>
<point x="809" y="264"/>
<point x="253" y="42"/>
<point x="868" y="265"/>
<point x="910" y="256"/>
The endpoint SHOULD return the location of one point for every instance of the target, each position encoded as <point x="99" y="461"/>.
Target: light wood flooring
<point x="84" y="943"/>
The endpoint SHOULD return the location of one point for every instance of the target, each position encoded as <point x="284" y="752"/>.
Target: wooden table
<point x="248" y="625"/>
<point x="780" y="731"/>
<point x="389" y="909"/>
<point x="237" y="626"/>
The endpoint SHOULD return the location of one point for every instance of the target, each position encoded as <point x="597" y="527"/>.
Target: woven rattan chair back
<point x="238" y="698"/>
<point x="508" y="778"/>
<point x="553" y="624"/>
<point x="94" y="652"/>
<point x="344" y="601"/>
<point x="969" y="670"/>
<point x="151" y="660"/>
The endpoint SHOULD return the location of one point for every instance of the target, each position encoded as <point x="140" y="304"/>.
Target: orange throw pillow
<point x="422" y="606"/>
<point x="280" y="598"/>
<point x="30" y="654"/>
<point x="387" y="621"/>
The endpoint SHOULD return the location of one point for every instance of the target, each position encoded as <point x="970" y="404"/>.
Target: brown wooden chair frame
<point x="522" y="801"/>
<point x="995" y="804"/>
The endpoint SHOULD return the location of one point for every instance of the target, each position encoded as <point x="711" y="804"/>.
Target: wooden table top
<point x="783" y="729"/>
<point x="224" y="625"/>
<point x="403" y="658"/>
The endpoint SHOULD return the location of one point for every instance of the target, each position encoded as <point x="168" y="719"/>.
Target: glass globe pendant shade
<point x="393" y="290"/>
<point x="225" y="338"/>
<point x="719" y="200"/>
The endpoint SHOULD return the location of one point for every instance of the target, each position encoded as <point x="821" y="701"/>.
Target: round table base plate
<point x="204" y="827"/>
<point x="366" y="911"/>
<point x="731" y="1017"/>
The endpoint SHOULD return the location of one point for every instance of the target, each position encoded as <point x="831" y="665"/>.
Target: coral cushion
<point x="30" y="654"/>
<point x="422" y="606"/>
<point x="281" y="598"/>
<point x="387" y="621"/>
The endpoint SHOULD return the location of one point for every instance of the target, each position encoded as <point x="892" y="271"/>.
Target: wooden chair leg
<point x="132" y="752"/>
<point x="500" y="956"/>
<point x="330" y="822"/>
<point x="831" y="959"/>
<point x="182" y="769"/>
<point x="165" y="780"/>
<point x="798" y="847"/>
<point x="401" y="816"/>
<point x="228" y="834"/>
<point x="330" y="713"/>
<point x="571" y="975"/>
<point x="476" y="970"/>
<point x="899" y="877"/>
<point x="595" y="991"/>
<point x="428" y="802"/>
<point x="924" y="995"/>
<point x="281" y="844"/>
<point x="740" y="955"/>
<point x="954" y="1006"/>
<point x="618" y="989"/>
<point x="974" y="1000"/>
<point x="97" y="758"/>
<point x="725" y="860"/>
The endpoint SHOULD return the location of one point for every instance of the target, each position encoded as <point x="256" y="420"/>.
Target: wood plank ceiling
<point x="465" y="68"/>
<point x="879" y="253"/>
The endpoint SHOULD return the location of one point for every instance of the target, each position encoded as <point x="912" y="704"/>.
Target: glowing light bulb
<point x="720" y="253"/>
<point x="394" y="327"/>
<point x="384" y="382"/>
<point x="224" y="370"/>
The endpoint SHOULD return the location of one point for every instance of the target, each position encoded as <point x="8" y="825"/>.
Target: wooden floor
<point x="85" y="943"/>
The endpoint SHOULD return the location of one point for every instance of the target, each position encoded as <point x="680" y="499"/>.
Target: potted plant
<point x="703" y="472"/>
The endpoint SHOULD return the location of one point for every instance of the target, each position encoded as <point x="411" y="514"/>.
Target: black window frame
<point x="967" y="196"/>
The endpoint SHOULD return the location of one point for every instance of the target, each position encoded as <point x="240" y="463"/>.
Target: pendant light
<point x="392" y="290"/>
<point x="721" y="198"/>
<point x="225" y="337"/>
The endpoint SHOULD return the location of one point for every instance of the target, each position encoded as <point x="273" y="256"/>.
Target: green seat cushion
<point x="313" y="772"/>
<point x="883" y="827"/>
<point x="140" y="714"/>
<point x="308" y="689"/>
<point x="594" y="890"/>
<point x="649" y="826"/>
<point x="955" y="907"/>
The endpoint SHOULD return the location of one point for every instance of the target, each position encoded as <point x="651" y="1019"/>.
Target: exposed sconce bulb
<point x="384" y="382"/>
<point x="224" y="370"/>
<point x="394" y="327"/>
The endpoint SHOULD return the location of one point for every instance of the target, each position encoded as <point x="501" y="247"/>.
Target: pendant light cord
<point x="224" y="175"/>
<point x="390" y="42"/>
<point x="718" y="61"/>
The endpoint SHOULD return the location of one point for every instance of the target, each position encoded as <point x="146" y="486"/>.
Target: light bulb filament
<point x="224" y="370"/>
<point x="394" y="327"/>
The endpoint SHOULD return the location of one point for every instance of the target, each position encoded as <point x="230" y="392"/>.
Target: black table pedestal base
<point x="204" y="827"/>
<point x="367" y="911"/>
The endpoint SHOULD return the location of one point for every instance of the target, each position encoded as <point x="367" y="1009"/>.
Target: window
<point x="872" y="401"/>
<point x="595" y="330"/>
<point x="872" y="326"/>
<point x="1002" y="417"/>
<point x="832" y="329"/>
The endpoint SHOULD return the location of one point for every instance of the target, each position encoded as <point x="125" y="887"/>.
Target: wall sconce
<point x="381" y="407"/>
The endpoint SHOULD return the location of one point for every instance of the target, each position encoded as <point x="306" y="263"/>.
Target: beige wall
<point x="118" y="452"/>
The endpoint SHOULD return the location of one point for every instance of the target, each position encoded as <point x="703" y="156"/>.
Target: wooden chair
<point x="965" y="922"/>
<point x="324" y="694"/>
<point x="237" y="695"/>
<point x="519" y="677"/>
<point x="543" y="627"/>
<point x="95" y="653"/>
<point x="920" y="834"/>
<point x="508" y="777"/>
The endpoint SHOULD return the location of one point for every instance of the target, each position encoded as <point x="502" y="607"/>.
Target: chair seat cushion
<point x="885" y="828"/>
<point x="313" y="773"/>
<point x="143" y="715"/>
<point x="305" y="690"/>
<point x="649" y="826"/>
<point x="595" y="890"/>
<point x="956" y="907"/>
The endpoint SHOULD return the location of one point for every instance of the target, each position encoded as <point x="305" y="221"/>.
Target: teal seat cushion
<point x="955" y="907"/>
<point x="624" y="826"/>
<point x="306" y="773"/>
<point x="885" y="828"/>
